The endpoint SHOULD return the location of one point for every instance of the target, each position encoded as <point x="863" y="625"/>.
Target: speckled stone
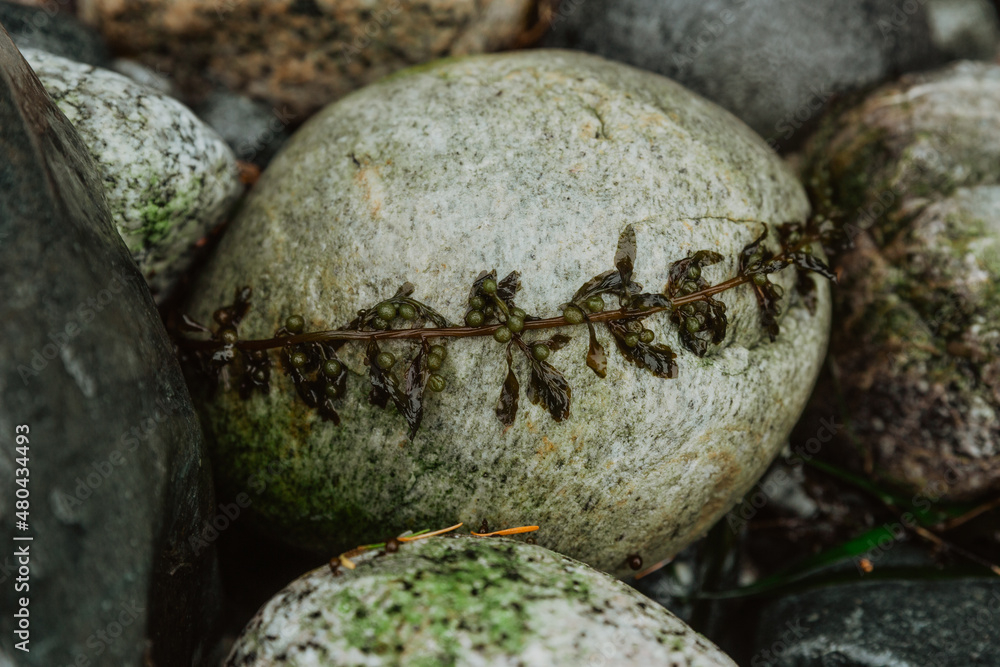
<point x="534" y="162"/>
<point x="298" y="55"/>
<point x="169" y="179"/>
<point x="467" y="601"/>
<point x="776" y="63"/>
<point x="916" y="344"/>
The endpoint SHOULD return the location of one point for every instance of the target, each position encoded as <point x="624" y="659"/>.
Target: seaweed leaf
<point x="547" y="387"/>
<point x="607" y="282"/>
<point x="625" y="261"/>
<point x="703" y="322"/>
<point x="508" y="287"/>
<point x="660" y="360"/>
<point x="597" y="358"/>
<point x="383" y="388"/>
<point x="413" y="392"/>
<point x="509" y="393"/>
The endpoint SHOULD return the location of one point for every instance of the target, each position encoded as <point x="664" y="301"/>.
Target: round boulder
<point x="467" y="601"/>
<point x="530" y="162"/>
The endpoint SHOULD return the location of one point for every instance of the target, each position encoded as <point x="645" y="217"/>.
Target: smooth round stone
<point x="467" y="601"/>
<point x="532" y="162"/>
<point x="297" y="55"/>
<point x="777" y="63"/>
<point x="169" y="179"/>
<point x="914" y="169"/>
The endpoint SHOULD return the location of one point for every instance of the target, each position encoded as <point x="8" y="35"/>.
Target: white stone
<point x="531" y="161"/>
<point x="467" y="601"/>
<point x="169" y="178"/>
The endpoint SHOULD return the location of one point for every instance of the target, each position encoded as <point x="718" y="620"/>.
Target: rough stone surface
<point x="169" y="178"/>
<point x="59" y="34"/>
<point x="917" y="341"/>
<point x="118" y="479"/>
<point x="775" y="63"/>
<point x="300" y="54"/>
<point x="532" y="162"/>
<point x="949" y="623"/>
<point x="468" y="601"/>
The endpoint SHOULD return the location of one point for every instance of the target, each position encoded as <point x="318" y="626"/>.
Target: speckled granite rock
<point x="776" y="63"/>
<point x="59" y="34"/>
<point x="300" y="54"/>
<point x="533" y="162"/>
<point x="468" y="601"/>
<point x="169" y="179"/>
<point x="918" y="337"/>
<point x="117" y="476"/>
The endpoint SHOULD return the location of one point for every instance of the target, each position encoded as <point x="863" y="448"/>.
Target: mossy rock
<point x="169" y="178"/>
<point x="914" y="172"/>
<point x="467" y="601"/>
<point x="920" y="137"/>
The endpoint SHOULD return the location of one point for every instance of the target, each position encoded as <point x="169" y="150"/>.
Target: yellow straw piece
<point x="507" y="531"/>
<point x="436" y="532"/>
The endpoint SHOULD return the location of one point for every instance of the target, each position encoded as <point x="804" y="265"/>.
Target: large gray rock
<point x="169" y="178"/>
<point x="467" y="601"/>
<point x="912" y="173"/>
<point x="532" y="162"/>
<point x="776" y="63"/>
<point x="116" y="477"/>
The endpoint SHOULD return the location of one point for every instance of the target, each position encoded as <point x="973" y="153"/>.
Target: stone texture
<point x="533" y="162"/>
<point x="117" y="474"/>
<point x="467" y="601"/>
<point x="912" y="170"/>
<point x="776" y="63"/>
<point x="945" y="623"/>
<point x="297" y="55"/>
<point x="169" y="178"/>
<point x="43" y="28"/>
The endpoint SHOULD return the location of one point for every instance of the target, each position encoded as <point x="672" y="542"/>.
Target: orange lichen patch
<point x="547" y="447"/>
<point x="506" y="531"/>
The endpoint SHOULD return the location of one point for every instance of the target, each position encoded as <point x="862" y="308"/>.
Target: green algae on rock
<point x="533" y="162"/>
<point x="169" y="179"/>
<point x="467" y="601"/>
<point x="917" y="339"/>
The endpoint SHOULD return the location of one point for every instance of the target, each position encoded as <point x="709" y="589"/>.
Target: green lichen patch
<point x="465" y="601"/>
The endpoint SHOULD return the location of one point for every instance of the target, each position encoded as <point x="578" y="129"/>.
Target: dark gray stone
<point x="775" y="63"/>
<point x="118" y="483"/>
<point x="252" y="129"/>
<point x="942" y="623"/>
<point x="45" y="29"/>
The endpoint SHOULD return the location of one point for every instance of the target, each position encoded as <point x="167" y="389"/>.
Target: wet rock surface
<point x="116" y="477"/>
